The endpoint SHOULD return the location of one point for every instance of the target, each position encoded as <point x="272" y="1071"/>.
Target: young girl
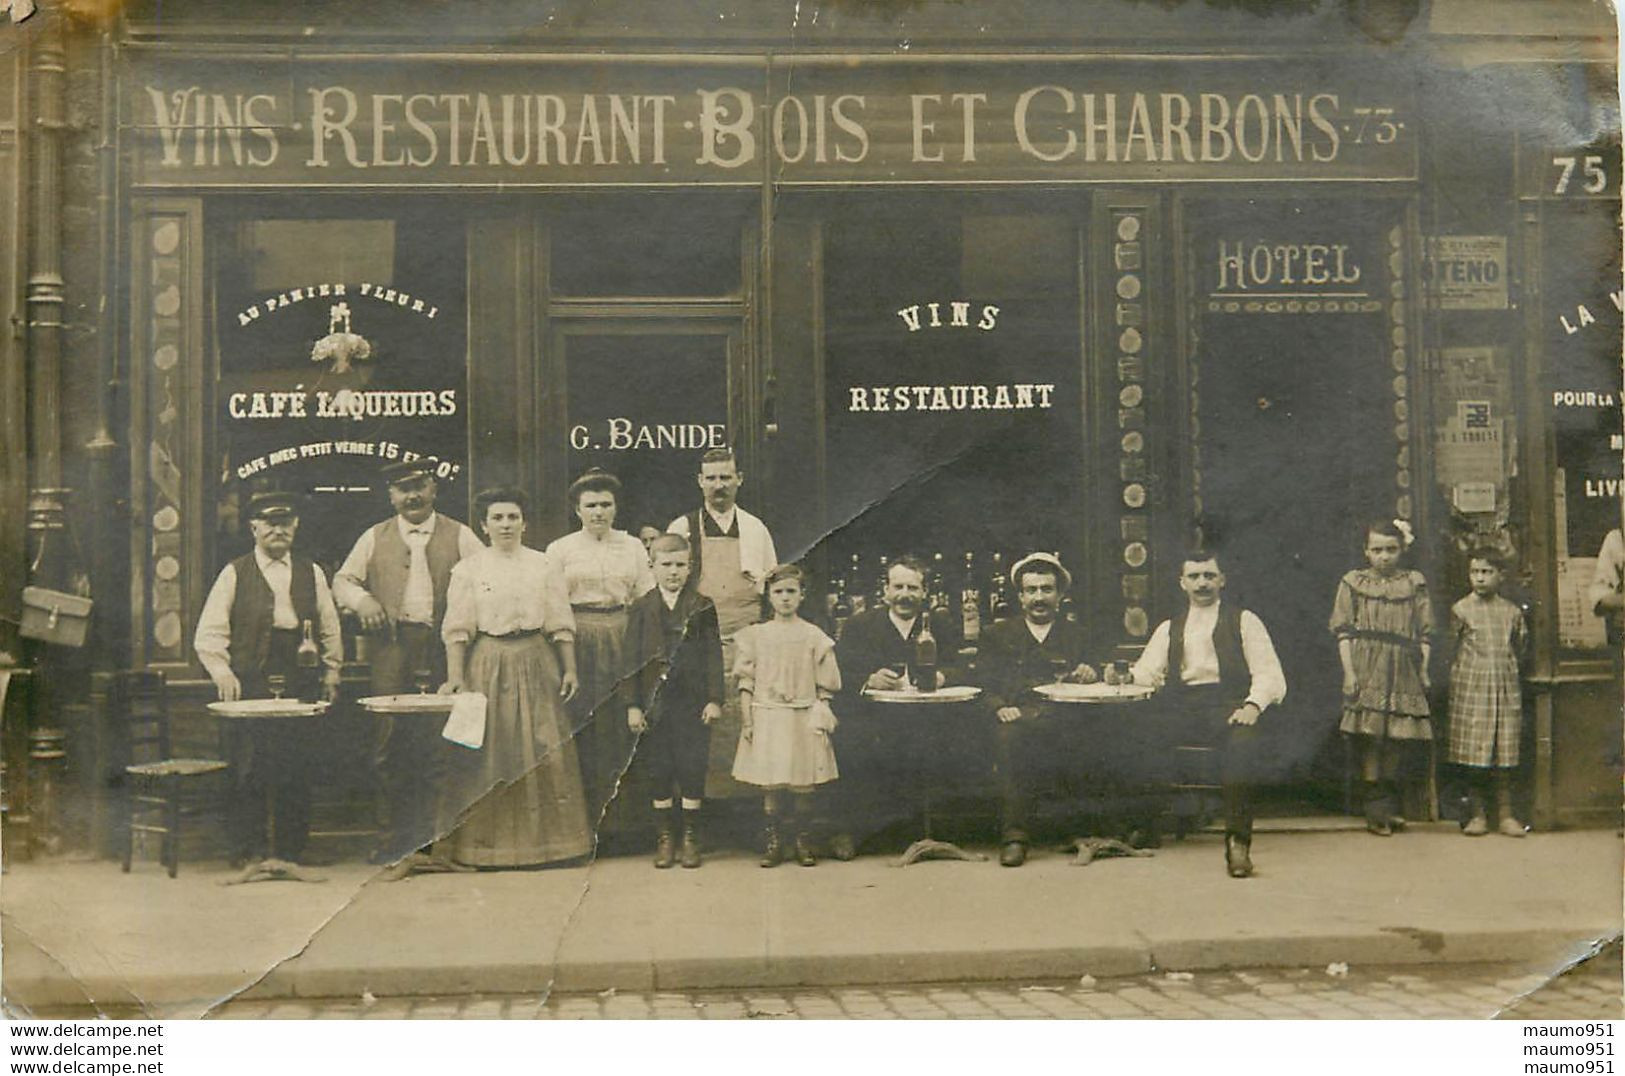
<point x="786" y="671"/>
<point x="1383" y="622"/>
<point x="1486" y="701"/>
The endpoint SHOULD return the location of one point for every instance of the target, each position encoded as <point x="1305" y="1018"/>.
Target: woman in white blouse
<point x="509" y="634"/>
<point x="604" y="571"/>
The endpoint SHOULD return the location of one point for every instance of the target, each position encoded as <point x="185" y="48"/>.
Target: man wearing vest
<point x="249" y="630"/>
<point x="732" y="554"/>
<point x="1218" y="672"/>
<point x="395" y="581"/>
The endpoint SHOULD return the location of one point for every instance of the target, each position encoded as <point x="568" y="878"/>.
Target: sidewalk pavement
<point x="82" y="935"/>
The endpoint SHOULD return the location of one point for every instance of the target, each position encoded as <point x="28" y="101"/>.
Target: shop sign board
<point x="1466" y="272"/>
<point x="529" y="121"/>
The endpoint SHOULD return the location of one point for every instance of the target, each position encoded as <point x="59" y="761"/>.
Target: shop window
<point x="1580" y="267"/>
<point x="953" y="392"/>
<point x="339" y="345"/>
<point x="663" y="245"/>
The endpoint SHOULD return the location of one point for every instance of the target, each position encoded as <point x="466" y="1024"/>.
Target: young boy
<point x="673" y="691"/>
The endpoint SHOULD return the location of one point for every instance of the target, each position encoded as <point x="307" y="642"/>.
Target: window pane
<point x="657" y="246"/>
<point x="340" y="344"/>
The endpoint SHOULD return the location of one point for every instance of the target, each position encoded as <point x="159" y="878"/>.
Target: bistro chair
<point x="161" y="791"/>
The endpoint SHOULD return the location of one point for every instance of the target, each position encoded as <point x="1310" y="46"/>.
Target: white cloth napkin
<point x="466" y="725"/>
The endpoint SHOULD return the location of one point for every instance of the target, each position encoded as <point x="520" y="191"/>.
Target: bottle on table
<point x="970" y="603"/>
<point x="306" y="658"/>
<point x="925" y="656"/>
<point x="881" y="580"/>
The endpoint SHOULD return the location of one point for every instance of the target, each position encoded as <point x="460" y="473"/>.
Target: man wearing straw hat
<point x="1017" y="655"/>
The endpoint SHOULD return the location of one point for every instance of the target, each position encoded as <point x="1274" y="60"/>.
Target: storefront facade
<point x="961" y="291"/>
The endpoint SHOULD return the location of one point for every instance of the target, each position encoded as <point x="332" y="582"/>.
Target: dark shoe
<point x="1396" y="823"/>
<point x="665" y="847"/>
<point x="1379" y="826"/>
<point x="1013" y="854"/>
<point x="690" y="855"/>
<point x="804" y="852"/>
<point x="1147" y="837"/>
<point x="843" y="848"/>
<point x="772" y="850"/>
<point x="1238" y="859"/>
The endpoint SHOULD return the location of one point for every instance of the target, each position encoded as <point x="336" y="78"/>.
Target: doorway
<point x="1296" y="430"/>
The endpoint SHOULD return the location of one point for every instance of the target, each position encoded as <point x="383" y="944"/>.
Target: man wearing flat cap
<point x="259" y="610"/>
<point x="1018" y="654"/>
<point x="395" y="582"/>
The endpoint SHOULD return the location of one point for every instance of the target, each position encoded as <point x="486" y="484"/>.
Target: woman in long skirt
<point x="605" y="570"/>
<point x="509" y="635"/>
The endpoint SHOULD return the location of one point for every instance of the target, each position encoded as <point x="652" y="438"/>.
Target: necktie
<point x="417" y="604"/>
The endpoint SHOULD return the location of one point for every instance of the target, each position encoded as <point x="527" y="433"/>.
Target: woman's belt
<point x="597" y="608"/>
<point x="525" y="634"/>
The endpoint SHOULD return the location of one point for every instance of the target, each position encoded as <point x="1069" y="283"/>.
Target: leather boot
<point x="690" y="855"/>
<point x="804" y="852"/>
<point x="665" y="848"/>
<point x="772" y="850"/>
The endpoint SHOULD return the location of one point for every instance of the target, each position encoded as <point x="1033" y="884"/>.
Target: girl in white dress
<point x="786" y="673"/>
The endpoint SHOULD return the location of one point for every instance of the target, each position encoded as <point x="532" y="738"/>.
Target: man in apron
<point x="733" y="552"/>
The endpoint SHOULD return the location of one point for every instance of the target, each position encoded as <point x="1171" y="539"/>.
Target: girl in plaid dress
<point x="1486" y="700"/>
<point x="1383" y="622"/>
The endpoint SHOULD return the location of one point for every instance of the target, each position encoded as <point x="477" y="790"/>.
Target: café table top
<point x="912" y="696"/>
<point x="1094" y="694"/>
<point x="409" y="703"/>
<point x="253" y="709"/>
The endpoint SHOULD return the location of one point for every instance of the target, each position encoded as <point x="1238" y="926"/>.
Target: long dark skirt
<point x="522" y="789"/>
<point x="605" y="743"/>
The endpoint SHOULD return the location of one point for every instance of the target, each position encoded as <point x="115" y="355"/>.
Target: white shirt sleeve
<point x="678" y="526"/>
<point x="327" y="616"/>
<point x="1151" y="668"/>
<point x="1610" y="570"/>
<point x="1269" y="682"/>
<point x="349" y="582"/>
<point x="212" y="640"/>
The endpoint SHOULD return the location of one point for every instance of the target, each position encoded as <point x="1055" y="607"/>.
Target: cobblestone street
<point x="1589" y="992"/>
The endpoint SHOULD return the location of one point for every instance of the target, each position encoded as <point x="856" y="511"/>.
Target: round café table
<point x="932" y="706"/>
<point x="267" y="718"/>
<point x="419" y="706"/>
<point x="1094" y="701"/>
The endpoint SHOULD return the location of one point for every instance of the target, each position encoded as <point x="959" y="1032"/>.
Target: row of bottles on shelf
<point x="977" y="593"/>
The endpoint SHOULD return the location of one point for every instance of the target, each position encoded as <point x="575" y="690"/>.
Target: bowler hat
<point x="272" y="504"/>
<point x="1048" y="561"/>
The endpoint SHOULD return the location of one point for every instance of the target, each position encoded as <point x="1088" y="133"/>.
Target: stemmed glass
<point x="423" y="678"/>
<point x="1059" y="667"/>
<point x="277" y="683"/>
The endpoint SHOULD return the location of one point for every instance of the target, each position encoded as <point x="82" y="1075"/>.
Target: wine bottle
<point x="881" y="580"/>
<point x="970" y="603"/>
<point x="856" y="594"/>
<point x="941" y="599"/>
<point x="925" y="656"/>
<point x="999" y="590"/>
<point x="843" y="608"/>
<point x="307" y="657"/>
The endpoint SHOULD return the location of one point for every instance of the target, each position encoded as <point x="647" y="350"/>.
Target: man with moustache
<point x="1217" y="672"/>
<point x="732" y="554"/>
<point x="250" y="629"/>
<point x="1017" y="655"/>
<point x="395" y="581"/>
<point x="876" y="652"/>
